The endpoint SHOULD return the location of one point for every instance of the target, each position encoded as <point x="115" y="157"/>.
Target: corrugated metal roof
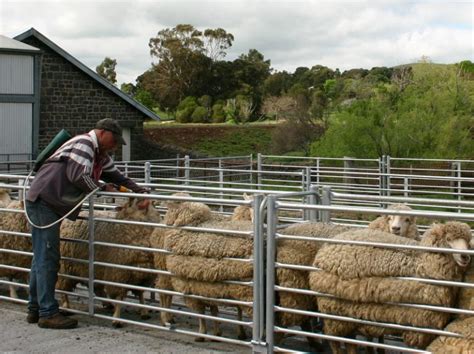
<point x="34" y="33"/>
<point x="14" y="45"/>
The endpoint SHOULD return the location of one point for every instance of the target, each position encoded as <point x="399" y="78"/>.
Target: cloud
<point x="338" y="34"/>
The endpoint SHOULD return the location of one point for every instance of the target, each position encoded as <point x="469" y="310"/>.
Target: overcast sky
<point x="337" y="34"/>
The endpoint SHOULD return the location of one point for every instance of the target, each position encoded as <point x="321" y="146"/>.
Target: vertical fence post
<point x="186" y="170"/>
<point x="21" y="191"/>
<point x="258" y="276"/>
<point x="348" y="166"/>
<point x="259" y="169"/>
<point x="91" y="255"/>
<point x="221" y="185"/>
<point x="305" y="187"/>
<point x="126" y="169"/>
<point x="314" y="199"/>
<point x="326" y="200"/>
<point x="147" y="172"/>
<point x="270" y="286"/>
<point x="251" y="169"/>
<point x="406" y="187"/>
<point x="388" y="169"/>
<point x="318" y="172"/>
<point x="457" y="175"/>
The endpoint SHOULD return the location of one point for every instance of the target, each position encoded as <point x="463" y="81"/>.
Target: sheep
<point x="444" y="344"/>
<point x="462" y="324"/>
<point x="17" y="222"/>
<point x="401" y="225"/>
<point x="243" y="212"/>
<point x="4" y="198"/>
<point x="135" y="235"/>
<point x="186" y="213"/>
<point x="179" y="213"/>
<point x="351" y="264"/>
<point x="197" y="266"/>
<point x="300" y="253"/>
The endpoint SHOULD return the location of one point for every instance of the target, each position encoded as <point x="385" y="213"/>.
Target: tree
<point x="430" y="117"/>
<point x="217" y="42"/>
<point x="106" y="69"/>
<point x="184" y="65"/>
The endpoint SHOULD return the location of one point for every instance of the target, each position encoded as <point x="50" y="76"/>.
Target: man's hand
<point x="109" y="187"/>
<point x="143" y="204"/>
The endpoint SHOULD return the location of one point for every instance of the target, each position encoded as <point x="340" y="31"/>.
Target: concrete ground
<point x="95" y="336"/>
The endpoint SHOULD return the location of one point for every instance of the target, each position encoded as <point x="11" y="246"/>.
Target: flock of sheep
<point x="363" y="282"/>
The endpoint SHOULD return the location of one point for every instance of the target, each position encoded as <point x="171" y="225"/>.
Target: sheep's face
<point x="138" y="209"/>
<point x="461" y="259"/>
<point x="399" y="224"/>
<point x="174" y="204"/>
<point x="453" y="234"/>
<point x="458" y="236"/>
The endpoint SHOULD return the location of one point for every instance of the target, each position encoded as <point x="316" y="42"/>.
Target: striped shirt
<point x="73" y="171"/>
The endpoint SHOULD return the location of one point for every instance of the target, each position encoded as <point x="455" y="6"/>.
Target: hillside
<point x="212" y="139"/>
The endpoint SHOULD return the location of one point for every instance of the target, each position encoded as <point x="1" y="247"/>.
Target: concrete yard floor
<point x="95" y="336"/>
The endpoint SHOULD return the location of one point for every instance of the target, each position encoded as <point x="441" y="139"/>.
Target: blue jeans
<point x="46" y="255"/>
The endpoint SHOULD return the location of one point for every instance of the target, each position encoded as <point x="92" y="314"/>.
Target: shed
<point x="19" y="100"/>
<point x="74" y="97"/>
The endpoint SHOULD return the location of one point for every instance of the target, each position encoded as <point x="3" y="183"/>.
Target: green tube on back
<point x="55" y="144"/>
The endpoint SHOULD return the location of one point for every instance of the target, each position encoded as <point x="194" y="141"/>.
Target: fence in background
<point x="288" y="194"/>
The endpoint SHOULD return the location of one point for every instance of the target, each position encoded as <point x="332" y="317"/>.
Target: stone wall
<point x="72" y="100"/>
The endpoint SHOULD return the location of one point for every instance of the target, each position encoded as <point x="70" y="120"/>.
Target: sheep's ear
<point x="247" y="197"/>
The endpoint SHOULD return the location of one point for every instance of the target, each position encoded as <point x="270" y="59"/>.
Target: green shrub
<point x="185" y="109"/>
<point x="199" y="115"/>
<point x="218" y="114"/>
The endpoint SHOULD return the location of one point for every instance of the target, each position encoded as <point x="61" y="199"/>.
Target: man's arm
<point x="111" y="174"/>
<point x="79" y="165"/>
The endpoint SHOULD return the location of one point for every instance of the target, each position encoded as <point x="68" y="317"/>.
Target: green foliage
<point x="106" y="69"/>
<point x="200" y="115"/>
<point x="185" y="109"/>
<point x="145" y="98"/>
<point x="429" y="117"/>
<point x="218" y="114"/>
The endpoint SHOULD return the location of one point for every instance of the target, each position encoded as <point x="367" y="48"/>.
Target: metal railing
<point x="308" y="202"/>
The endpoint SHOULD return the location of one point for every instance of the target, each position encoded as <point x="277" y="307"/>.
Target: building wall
<point x="72" y="100"/>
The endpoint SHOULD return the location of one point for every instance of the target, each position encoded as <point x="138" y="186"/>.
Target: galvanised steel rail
<point x="309" y="195"/>
<point x="274" y="205"/>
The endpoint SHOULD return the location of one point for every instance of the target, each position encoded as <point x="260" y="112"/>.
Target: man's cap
<point x="112" y="126"/>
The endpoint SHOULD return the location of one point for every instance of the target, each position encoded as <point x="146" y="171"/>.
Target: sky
<point x="338" y="34"/>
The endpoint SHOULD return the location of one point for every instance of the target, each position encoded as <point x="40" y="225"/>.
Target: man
<point x="61" y="183"/>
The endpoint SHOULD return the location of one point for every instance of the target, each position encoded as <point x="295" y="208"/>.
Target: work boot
<point x="32" y="317"/>
<point x="57" y="321"/>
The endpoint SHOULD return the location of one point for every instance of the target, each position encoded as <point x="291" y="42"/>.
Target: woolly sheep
<point x="352" y="263"/>
<point x="197" y="265"/>
<point x="444" y="344"/>
<point x="4" y="198"/>
<point x="135" y="235"/>
<point x="300" y="253"/>
<point x="463" y="324"/>
<point x="179" y="213"/>
<point x="186" y="213"/>
<point x="14" y="222"/>
<point x="401" y="225"/>
<point x="243" y="212"/>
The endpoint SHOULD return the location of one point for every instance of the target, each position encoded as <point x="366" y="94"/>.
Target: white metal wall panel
<point x="16" y="128"/>
<point x="16" y="74"/>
